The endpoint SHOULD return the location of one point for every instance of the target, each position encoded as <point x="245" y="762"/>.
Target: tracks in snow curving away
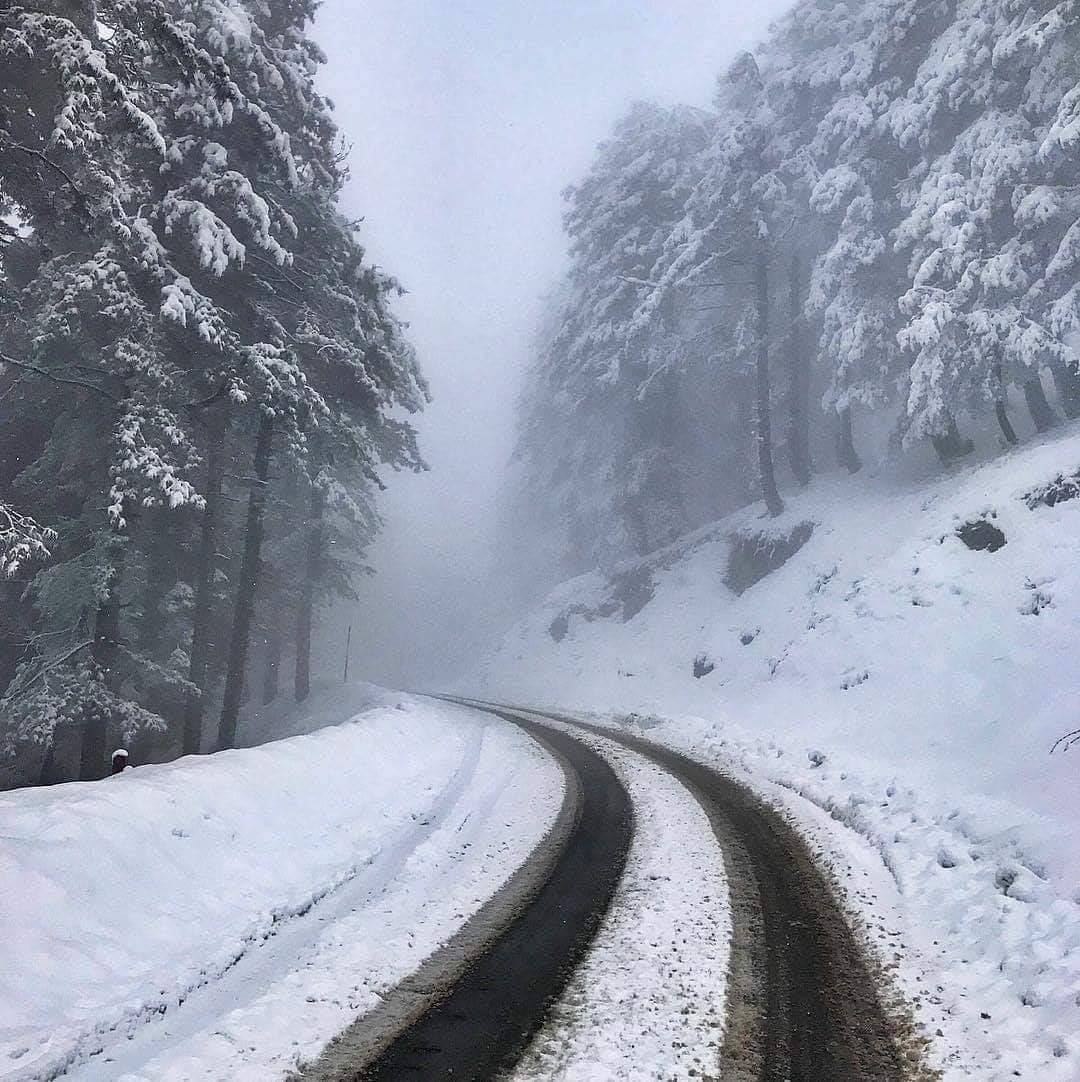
<point x="803" y="1003"/>
<point x="481" y="1024"/>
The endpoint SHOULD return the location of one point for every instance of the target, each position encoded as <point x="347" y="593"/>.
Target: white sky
<point x="467" y="119"/>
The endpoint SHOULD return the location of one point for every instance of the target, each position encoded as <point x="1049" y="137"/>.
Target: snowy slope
<point x="909" y="686"/>
<point x="225" y="916"/>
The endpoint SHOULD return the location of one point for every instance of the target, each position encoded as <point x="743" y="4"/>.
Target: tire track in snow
<point x="647" y="1001"/>
<point x="803" y="1005"/>
<point x="482" y="1024"/>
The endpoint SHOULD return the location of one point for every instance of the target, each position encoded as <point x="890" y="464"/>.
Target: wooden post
<point x="348" y="644"/>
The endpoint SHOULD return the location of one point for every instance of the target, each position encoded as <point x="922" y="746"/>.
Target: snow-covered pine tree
<point x="737" y="218"/>
<point x="333" y="357"/>
<point x="846" y="63"/>
<point x="88" y="352"/>
<point x="598" y="433"/>
<point x="971" y="329"/>
<point x="1044" y="40"/>
<point x="167" y="149"/>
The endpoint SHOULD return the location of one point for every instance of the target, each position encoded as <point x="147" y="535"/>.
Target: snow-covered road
<point x="245" y="911"/>
<point x="148" y="933"/>
<point x="648" y="1000"/>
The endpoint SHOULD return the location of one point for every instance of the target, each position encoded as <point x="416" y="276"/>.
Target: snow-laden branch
<point x="21" y="540"/>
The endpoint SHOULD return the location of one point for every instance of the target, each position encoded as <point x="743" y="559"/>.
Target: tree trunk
<point x="159" y="579"/>
<point x="246" y="587"/>
<point x="1041" y="413"/>
<point x="307" y="597"/>
<point x="15" y="623"/>
<point x="799" y="385"/>
<point x="950" y="445"/>
<point x="1004" y="423"/>
<point x="202" y="618"/>
<point x="47" y="773"/>
<point x="763" y="391"/>
<point x="846" y="454"/>
<point x="105" y="654"/>
<point x="272" y="672"/>
<point x="745" y="427"/>
<point x="1001" y="412"/>
<point x="1067" y="382"/>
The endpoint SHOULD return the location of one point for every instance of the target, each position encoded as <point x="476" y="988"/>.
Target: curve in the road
<point x="803" y="1002"/>
<point x="486" y="1019"/>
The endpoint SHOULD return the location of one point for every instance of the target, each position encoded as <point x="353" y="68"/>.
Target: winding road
<point x="803" y="1002"/>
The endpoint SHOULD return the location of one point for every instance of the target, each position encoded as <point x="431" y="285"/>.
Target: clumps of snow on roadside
<point x="647" y="1002"/>
<point x="906" y="686"/>
<point x="984" y="946"/>
<point x="126" y="903"/>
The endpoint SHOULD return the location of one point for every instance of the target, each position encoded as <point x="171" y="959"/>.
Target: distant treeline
<point x="200" y="373"/>
<point x="878" y="218"/>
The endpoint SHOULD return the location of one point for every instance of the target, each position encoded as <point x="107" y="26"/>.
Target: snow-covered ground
<point x="897" y="685"/>
<point x="647" y="1002"/>
<point x="223" y="917"/>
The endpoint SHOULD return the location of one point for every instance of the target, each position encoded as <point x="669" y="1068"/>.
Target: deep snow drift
<point x="909" y="685"/>
<point x="222" y="917"/>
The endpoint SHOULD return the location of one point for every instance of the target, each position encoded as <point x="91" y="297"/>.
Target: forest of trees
<point x="877" y="223"/>
<point x="200" y="374"/>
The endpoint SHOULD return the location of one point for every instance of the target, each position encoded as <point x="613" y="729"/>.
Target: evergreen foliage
<point x="192" y="344"/>
<point x="879" y="214"/>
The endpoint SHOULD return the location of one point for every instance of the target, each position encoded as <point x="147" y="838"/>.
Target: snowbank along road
<point x="243" y="908"/>
<point x="803" y="1002"/>
<point x="531" y="898"/>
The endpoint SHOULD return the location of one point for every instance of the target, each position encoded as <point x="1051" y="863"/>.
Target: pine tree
<point x="600" y="435"/>
<point x="209" y="299"/>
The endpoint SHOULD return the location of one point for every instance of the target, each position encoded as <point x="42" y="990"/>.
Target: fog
<point x="467" y="119"/>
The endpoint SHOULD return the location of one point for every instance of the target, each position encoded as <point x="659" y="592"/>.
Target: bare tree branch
<point x="1067" y="741"/>
<point x="25" y="366"/>
<point x="6" y="144"/>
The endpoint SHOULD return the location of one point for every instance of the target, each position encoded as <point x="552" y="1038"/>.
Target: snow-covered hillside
<point x="906" y="683"/>
<point x="222" y="917"/>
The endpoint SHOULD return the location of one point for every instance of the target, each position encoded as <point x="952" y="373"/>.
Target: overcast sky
<point x="467" y="119"/>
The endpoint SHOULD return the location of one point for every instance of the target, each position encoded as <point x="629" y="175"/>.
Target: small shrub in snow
<point x="946" y="859"/>
<point x="1036" y="601"/>
<point x="1061" y="489"/>
<point x="823" y="580"/>
<point x="703" y="665"/>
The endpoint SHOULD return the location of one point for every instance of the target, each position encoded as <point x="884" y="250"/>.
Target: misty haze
<point x="539" y="541"/>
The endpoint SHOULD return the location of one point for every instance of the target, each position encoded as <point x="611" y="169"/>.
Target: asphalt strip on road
<point x="471" y="1010"/>
<point x="804" y="1003"/>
